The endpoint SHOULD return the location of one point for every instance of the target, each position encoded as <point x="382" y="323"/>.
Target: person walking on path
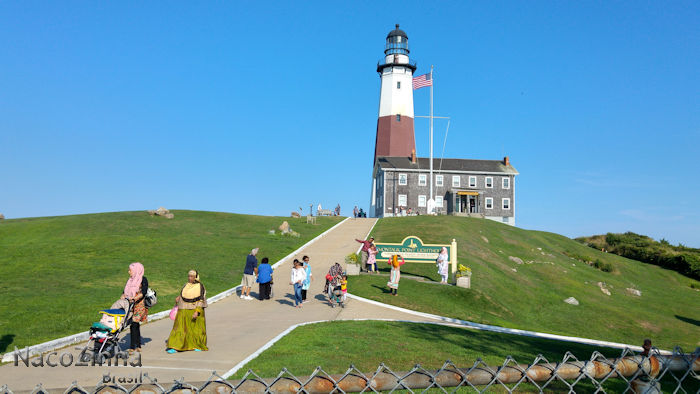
<point x="264" y="279"/>
<point x="298" y="277"/>
<point x="372" y="259"/>
<point x="365" y="250"/>
<point x="395" y="275"/>
<point x="354" y="212"/>
<point x="309" y="277"/>
<point x="135" y="291"/>
<point x="251" y="269"/>
<point x="332" y="280"/>
<point x="189" y="328"/>
<point x="443" y="263"/>
<point x="337" y="210"/>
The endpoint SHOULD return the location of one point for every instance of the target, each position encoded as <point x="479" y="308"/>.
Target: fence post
<point x="453" y="256"/>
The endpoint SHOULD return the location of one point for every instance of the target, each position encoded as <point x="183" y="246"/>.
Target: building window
<point x="506" y="183"/>
<point x="472" y="181"/>
<point x="421" y="200"/>
<point x="455" y="180"/>
<point x="489" y="202"/>
<point x="438" y="180"/>
<point x="506" y="203"/>
<point x="398" y="85"/>
<point x="438" y="202"/>
<point x="398" y="117"/>
<point x="489" y="182"/>
<point x="403" y="179"/>
<point x="422" y="180"/>
<point x="402" y="200"/>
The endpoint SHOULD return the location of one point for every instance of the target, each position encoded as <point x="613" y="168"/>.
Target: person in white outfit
<point x="298" y="278"/>
<point x="443" y="265"/>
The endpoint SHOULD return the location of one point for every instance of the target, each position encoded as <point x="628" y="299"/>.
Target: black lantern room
<point x="396" y="42"/>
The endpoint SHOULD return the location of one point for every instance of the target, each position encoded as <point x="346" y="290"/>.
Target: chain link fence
<point x="630" y="373"/>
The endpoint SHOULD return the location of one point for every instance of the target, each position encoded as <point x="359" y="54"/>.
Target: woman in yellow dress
<point x="189" y="329"/>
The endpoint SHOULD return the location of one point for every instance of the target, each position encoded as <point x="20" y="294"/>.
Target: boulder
<point x="162" y="211"/>
<point x="515" y="259"/>
<point x="295" y="214"/>
<point x="605" y="291"/>
<point x="284" y="227"/>
<point x="169" y="215"/>
<point x="485" y="239"/>
<point x="634" y="292"/>
<point x="571" y="301"/>
<point x="151" y="212"/>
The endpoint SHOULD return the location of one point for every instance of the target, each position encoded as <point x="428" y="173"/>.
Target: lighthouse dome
<point x="397" y="33"/>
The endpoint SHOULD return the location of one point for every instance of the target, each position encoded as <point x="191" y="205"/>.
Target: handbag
<point x="151" y="298"/>
<point x="173" y="312"/>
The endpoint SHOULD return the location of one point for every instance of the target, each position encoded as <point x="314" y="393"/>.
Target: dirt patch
<point x="647" y="325"/>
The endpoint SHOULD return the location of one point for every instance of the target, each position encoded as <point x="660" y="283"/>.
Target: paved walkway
<point x="235" y="328"/>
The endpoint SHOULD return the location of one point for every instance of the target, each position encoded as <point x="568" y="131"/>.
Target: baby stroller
<point x="104" y="335"/>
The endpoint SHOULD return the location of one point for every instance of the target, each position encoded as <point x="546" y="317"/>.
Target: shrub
<point x="352" y="258"/>
<point x="603" y="265"/>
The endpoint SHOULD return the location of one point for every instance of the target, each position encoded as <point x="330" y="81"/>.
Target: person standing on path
<point x="135" y="291"/>
<point x="309" y="277"/>
<point x="189" y="328"/>
<point x="443" y="263"/>
<point x="365" y="250"/>
<point x="264" y="279"/>
<point x="298" y="277"/>
<point x="354" y="212"/>
<point x="251" y="269"/>
<point x="395" y="275"/>
<point x="372" y="259"/>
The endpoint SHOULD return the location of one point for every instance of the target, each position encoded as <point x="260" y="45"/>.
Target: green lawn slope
<point x="58" y="272"/>
<point x="531" y="295"/>
<point x="400" y="346"/>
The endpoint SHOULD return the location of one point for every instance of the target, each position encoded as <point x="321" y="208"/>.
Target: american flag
<point x="422" y="81"/>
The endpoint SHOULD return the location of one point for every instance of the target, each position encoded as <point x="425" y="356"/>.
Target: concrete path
<point x="235" y="327"/>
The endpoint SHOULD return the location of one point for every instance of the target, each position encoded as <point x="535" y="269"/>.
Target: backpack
<point x="151" y="298"/>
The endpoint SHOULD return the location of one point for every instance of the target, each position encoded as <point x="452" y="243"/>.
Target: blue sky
<point x="261" y="108"/>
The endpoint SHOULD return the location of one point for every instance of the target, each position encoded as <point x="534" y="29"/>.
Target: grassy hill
<point x="58" y="272"/>
<point x="530" y="295"/>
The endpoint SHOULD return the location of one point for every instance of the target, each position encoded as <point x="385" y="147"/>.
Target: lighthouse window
<point x="398" y="85"/>
<point x="398" y="117"/>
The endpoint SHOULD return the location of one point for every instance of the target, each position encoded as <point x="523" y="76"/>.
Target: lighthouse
<point x="395" y="136"/>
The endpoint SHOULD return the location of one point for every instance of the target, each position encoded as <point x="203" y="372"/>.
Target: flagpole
<point x="432" y="82"/>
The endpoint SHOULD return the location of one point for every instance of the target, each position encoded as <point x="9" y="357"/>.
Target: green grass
<point x="532" y="298"/>
<point x="58" y="272"/>
<point x="336" y="345"/>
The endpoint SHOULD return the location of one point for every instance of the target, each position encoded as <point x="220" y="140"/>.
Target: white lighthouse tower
<point x="395" y="136"/>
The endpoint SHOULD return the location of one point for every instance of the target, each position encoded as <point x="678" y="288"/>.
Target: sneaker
<point x="248" y="298"/>
<point x="171" y="351"/>
<point x="242" y="296"/>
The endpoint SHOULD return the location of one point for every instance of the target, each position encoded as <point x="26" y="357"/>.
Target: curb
<point x="84" y="336"/>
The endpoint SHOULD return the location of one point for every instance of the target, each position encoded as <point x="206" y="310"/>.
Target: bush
<point x="603" y="265"/>
<point x="352" y="258"/>
<point x="681" y="258"/>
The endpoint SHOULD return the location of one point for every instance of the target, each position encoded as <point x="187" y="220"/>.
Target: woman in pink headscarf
<point x="134" y="291"/>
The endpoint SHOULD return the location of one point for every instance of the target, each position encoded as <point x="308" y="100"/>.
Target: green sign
<point x="413" y="250"/>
